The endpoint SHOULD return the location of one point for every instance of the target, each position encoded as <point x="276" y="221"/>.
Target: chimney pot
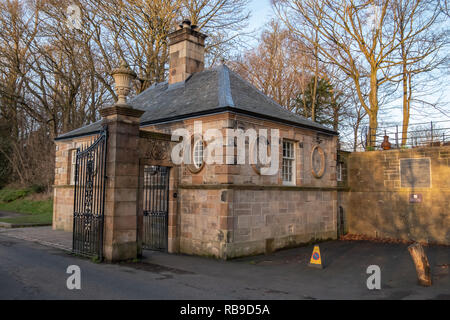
<point x="187" y="50"/>
<point x="186" y="23"/>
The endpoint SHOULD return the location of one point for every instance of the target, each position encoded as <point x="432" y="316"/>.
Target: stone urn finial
<point x="123" y="76"/>
<point x="386" y="145"/>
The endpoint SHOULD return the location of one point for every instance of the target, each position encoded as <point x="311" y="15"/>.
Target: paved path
<point x="6" y="214"/>
<point x="29" y="270"/>
<point x="42" y="235"/>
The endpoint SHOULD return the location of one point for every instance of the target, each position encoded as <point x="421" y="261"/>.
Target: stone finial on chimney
<point x="123" y="76"/>
<point x="187" y="52"/>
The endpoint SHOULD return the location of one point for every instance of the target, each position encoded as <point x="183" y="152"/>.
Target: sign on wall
<point x="415" y="198"/>
<point x="415" y="173"/>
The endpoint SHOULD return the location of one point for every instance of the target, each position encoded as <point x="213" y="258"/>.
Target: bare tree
<point x="223" y="21"/>
<point x="133" y="30"/>
<point x="278" y="66"/>
<point x="18" y="32"/>
<point x="137" y="30"/>
<point x="363" y="37"/>
<point x="285" y="69"/>
<point x="445" y="7"/>
<point x="54" y="76"/>
<point x="421" y="39"/>
<point x="347" y="40"/>
<point x="46" y="84"/>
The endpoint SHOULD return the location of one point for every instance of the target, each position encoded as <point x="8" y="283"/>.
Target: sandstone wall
<point x="204" y="227"/>
<point x="378" y="206"/>
<point x="228" y="211"/>
<point x="269" y="219"/>
<point x="63" y="191"/>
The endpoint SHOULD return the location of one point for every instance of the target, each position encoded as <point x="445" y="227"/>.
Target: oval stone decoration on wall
<point x="197" y="155"/>
<point x="317" y="162"/>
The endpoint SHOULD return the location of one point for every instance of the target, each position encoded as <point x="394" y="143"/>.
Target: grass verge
<point x="23" y="201"/>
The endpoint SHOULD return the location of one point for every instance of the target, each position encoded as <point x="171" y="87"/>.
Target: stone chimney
<point x="187" y="52"/>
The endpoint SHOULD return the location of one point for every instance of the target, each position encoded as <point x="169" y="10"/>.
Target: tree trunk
<point x="373" y="114"/>
<point x="406" y="111"/>
<point x="421" y="262"/>
<point x="405" y="124"/>
<point x="371" y="135"/>
<point x="355" y="138"/>
<point x="335" y="112"/>
<point x="316" y="76"/>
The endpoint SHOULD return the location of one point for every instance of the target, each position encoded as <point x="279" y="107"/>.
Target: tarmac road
<point x="32" y="271"/>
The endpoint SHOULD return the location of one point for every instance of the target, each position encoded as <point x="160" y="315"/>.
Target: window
<point x="72" y="163"/>
<point x="339" y="171"/>
<point x="198" y="154"/>
<point x="288" y="165"/>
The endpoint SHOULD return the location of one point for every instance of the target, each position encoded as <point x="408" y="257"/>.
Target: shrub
<point x="35" y="188"/>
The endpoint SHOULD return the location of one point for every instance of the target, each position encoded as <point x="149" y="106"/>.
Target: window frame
<point x="195" y="156"/>
<point x="192" y="167"/>
<point x="293" y="161"/>
<point x="339" y="172"/>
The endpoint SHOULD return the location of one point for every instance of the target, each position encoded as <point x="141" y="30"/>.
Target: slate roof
<point x="208" y="92"/>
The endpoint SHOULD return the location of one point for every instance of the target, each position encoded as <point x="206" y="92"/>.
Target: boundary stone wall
<point x="382" y="203"/>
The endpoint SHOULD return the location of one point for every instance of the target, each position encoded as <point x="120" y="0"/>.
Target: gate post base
<point x="122" y="171"/>
<point x="120" y="252"/>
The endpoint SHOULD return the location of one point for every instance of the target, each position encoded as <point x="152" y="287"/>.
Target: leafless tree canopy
<point x="279" y="66"/>
<point x="334" y="61"/>
<point x="372" y="42"/>
<point x="55" y="75"/>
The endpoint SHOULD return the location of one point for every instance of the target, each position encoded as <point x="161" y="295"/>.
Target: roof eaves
<point x="241" y="111"/>
<point x="205" y="113"/>
<point x="75" y="135"/>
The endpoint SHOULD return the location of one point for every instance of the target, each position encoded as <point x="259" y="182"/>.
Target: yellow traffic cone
<point x="316" y="259"/>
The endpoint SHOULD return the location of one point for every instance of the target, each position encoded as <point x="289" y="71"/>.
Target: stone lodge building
<point x="219" y="210"/>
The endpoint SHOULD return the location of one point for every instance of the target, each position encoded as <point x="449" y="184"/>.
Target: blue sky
<point x="261" y="13"/>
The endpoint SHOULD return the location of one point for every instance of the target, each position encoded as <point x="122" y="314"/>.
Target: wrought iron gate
<point x="89" y="198"/>
<point x="156" y="207"/>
